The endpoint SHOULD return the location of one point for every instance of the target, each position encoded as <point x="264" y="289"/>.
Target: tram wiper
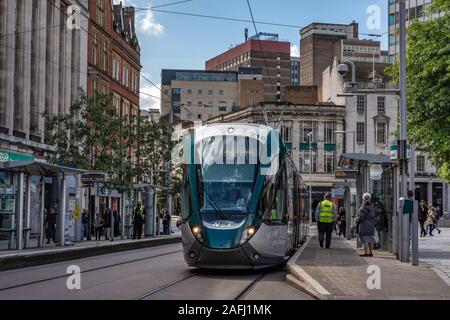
<point x="219" y="212"/>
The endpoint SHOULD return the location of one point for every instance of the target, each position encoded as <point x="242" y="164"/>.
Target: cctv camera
<point x="342" y="69"/>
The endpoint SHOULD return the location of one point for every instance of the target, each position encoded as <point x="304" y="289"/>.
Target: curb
<point x="299" y="279"/>
<point x="30" y="259"/>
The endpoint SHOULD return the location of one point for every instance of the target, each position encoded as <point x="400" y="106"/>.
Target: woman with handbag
<point x="366" y="222"/>
<point x="342" y="223"/>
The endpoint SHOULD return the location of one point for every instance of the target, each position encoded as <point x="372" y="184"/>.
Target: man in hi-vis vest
<point x="326" y="215"/>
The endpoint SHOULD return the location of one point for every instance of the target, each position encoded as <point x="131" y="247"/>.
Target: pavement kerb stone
<point x="29" y="259"/>
<point x="299" y="279"/>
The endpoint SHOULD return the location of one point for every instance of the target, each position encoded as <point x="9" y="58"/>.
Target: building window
<point x="221" y="92"/>
<point x="189" y="92"/>
<point x="222" y="106"/>
<point x="95" y="50"/>
<point x="101" y="12"/>
<point x="135" y="82"/>
<point x="189" y="103"/>
<point x="116" y="69"/>
<point x="381" y="133"/>
<point x="328" y="132"/>
<point x="305" y="161"/>
<point x="200" y="104"/>
<point x="329" y="161"/>
<point x="105" y="51"/>
<point x="360" y="104"/>
<point x="381" y="101"/>
<point x="360" y="131"/>
<point x="200" y="92"/>
<point x="126" y="74"/>
<point x="210" y="92"/>
<point x="305" y="128"/>
<point x="286" y="131"/>
<point x="420" y="161"/>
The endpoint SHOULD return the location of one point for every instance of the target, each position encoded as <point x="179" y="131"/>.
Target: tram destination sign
<point x="346" y="174"/>
<point x="88" y="180"/>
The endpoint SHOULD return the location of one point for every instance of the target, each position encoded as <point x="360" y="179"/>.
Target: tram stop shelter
<point x="377" y="175"/>
<point x="23" y="191"/>
<point x="148" y="195"/>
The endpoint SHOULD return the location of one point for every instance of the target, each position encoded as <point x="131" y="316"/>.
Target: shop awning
<point x="36" y="168"/>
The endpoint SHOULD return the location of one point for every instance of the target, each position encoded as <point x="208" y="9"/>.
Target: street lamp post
<point x="310" y="177"/>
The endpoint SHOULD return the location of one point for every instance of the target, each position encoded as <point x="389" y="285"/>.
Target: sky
<point x="171" y="41"/>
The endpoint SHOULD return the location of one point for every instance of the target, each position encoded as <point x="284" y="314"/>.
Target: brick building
<point x="114" y="55"/>
<point x="317" y="49"/>
<point x="275" y="54"/>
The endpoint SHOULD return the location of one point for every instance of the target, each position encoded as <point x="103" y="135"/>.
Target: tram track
<point x="91" y="270"/>
<point x="241" y="296"/>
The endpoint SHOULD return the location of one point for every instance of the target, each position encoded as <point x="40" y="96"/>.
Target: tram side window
<point x="277" y="212"/>
<point x="186" y="208"/>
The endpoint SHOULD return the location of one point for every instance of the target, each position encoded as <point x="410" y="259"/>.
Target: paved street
<point x="435" y="251"/>
<point x="149" y="274"/>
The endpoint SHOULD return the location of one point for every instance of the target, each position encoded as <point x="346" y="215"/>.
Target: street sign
<point x="89" y="179"/>
<point x="394" y="150"/>
<point x="345" y="174"/>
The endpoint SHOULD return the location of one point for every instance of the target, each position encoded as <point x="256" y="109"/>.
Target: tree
<point x="155" y="151"/>
<point x="93" y="136"/>
<point x="428" y="85"/>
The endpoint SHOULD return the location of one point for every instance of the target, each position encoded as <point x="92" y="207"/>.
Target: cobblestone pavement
<point x="435" y="251"/>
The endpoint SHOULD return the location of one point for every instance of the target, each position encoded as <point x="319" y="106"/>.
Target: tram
<point x="243" y="201"/>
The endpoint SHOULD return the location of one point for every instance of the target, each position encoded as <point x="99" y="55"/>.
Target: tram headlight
<point x="248" y="234"/>
<point x="197" y="231"/>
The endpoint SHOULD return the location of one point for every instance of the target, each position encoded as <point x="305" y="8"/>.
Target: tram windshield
<point x="227" y="173"/>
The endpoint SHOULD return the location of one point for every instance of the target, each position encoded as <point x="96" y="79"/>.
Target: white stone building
<point x="371" y="123"/>
<point x="43" y="63"/>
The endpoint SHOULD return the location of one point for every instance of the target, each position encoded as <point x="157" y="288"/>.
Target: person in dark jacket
<point x="366" y="221"/>
<point x="117" y="221"/>
<point x="342" y="223"/>
<point x="107" y="221"/>
<point x="50" y="225"/>
<point x="84" y="223"/>
<point x="422" y="216"/>
<point x="138" y="220"/>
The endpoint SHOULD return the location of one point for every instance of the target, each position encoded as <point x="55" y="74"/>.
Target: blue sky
<point x="175" y="41"/>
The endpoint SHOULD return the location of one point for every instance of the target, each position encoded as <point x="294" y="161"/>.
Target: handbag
<point x="375" y="236"/>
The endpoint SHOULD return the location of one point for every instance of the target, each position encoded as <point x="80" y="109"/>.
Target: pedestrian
<point x="326" y="215"/>
<point x="422" y="216"/>
<point x="381" y="224"/>
<point x="366" y="221"/>
<point x="84" y="224"/>
<point x="342" y="222"/>
<point x="50" y="226"/>
<point x="166" y="223"/>
<point x="432" y="221"/>
<point x="107" y="222"/>
<point x="116" y="223"/>
<point x="138" y="220"/>
<point x="98" y="225"/>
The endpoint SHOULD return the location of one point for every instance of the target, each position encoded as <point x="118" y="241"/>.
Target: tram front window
<point x="226" y="185"/>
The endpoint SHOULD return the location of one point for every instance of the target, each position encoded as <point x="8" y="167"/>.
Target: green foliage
<point x="155" y="151"/>
<point x="93" y="136"/>
<point x="428" y="85"/>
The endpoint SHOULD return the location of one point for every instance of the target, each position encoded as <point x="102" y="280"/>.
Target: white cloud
<point x="148" y="102"/>
<point x="147" y="24"/>
<point x="295" y="51"/>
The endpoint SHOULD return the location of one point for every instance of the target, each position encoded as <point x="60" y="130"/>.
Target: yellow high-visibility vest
<point x="326" y="212"/>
